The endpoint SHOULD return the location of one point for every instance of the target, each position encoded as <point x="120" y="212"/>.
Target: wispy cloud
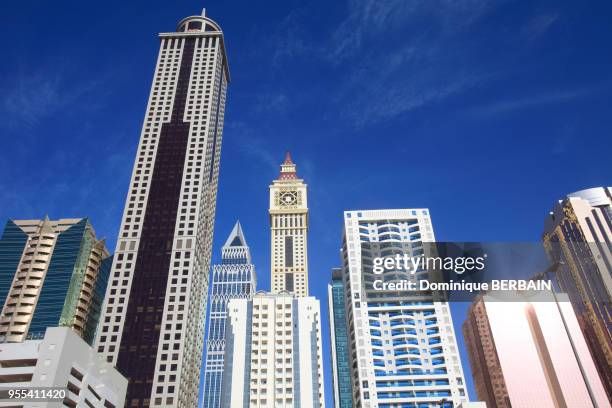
<point x="270" y="102"/>
<point x="250" y="145"/>
<point x="561" y="144"/>
<point x="539" y="25"/>
<point x="400" y="55"/>
<point x="290" y="38"/>
<point x="371" y="18"/>
<point x="534" y="101"/>
<point x="32" y="96"/>
<point x="403" y="98"/>
<point x="417" y="67"/>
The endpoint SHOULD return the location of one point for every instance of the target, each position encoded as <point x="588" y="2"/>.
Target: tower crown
<point x="288" y="171"/>
<point x="197" y="24"/>
<point x="236" y="237"/>
<point x="236" y="247"/>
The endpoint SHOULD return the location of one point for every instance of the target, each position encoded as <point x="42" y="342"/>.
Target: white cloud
<point x="371" y="18"/>
<point x="539" y="25"/>
<point x="31" y="97"/>
<point x="391" y="67"/>
<point x="251" y="145"/>
<point x="534" y="100"/>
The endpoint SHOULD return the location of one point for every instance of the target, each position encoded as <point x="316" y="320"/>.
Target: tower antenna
<point x="204" y="12"/>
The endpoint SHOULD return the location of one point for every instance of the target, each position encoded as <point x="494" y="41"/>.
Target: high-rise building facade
<point x="486" y="370"/>
<point x="234" y="278"/>
<point x="289" y="226"/>
<point x="273" y="353"/>
<point x="578" y="236"/>
<point x="402" y="352"/>
<point x="530" y="354"/>
<point x="52" y="273"/>
<point x="60" y="359"/>
<point x="154" y="311"/>
<point x="341" y="371"/>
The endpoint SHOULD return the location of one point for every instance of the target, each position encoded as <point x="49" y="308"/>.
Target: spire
<point x="46" y="227"/>
<point x="236" y="249"/>
<point x="288" y="168"/>
<point x="236" y="237"/>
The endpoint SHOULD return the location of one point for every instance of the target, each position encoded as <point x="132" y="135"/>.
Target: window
<point x="195" y="25"/>
<point x="76" y="374"/>
<point x="289" y="252"/>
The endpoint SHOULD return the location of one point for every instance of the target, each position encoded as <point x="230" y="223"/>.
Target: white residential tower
<point x="401" y="352"/>
<point x="273" y="353"/>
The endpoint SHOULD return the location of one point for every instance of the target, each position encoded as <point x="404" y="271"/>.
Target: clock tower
<point x="289" y="231"/>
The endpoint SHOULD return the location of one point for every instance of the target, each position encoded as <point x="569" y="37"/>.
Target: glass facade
<point x="95" y="308"/>
<point x="578" y="238"/>
<point x="57" y="281"/>
<point x="12" y="243"/>
<point x="234" y="278"/>
<point x="48" y="271"/>
<point x="342" y="373"/>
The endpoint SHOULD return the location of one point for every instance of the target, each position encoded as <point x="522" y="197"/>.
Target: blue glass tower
<point x="234" y="278"/>
<point x="341" y="375"/>
<point x="12" y="244"/>
<point x="52" y="273"/>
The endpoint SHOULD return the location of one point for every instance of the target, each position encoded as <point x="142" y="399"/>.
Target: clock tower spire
<point x="289" y="231"/>
<point x="288" y="168"/>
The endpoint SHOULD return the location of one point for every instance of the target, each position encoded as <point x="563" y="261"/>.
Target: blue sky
<point x="484" y="111"/>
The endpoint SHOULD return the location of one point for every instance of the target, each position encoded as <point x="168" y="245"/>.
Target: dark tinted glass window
<point x="288" y="252"/>
<point x="195" y="25"/>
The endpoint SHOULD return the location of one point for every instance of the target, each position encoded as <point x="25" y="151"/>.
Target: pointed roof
<point x="46" y="226"/>
<point x="288" y="169"/>
<point x="236" y="237"/>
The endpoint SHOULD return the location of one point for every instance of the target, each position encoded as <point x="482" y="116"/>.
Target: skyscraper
<point x="273" y="352"/>
<point x="486" y="370"/>
<point x="341" y="371"/>
<point x="234" y="278"/>
<point x="578" y="236"/>
<point x="402" y="352"/>
<point x="154" y="311"/>
<point x="52" y="273"/>
<point x="530" y="354"/>
<point x="289" y="225"/>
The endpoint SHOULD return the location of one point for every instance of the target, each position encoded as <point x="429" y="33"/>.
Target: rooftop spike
<point x="236" y="237"/>
<point x="288" y="169"/>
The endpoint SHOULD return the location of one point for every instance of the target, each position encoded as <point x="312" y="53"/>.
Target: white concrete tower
<point x="152" y="326"/>
<point x="273" y="354"/>
<point x="289" y="227"/>
<point x="402" y="353"/>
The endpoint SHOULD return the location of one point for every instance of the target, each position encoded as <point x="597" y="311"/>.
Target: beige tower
<point x="289" y="225"/>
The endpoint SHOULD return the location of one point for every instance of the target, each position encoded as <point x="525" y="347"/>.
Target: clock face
<point x="288" y="198"/>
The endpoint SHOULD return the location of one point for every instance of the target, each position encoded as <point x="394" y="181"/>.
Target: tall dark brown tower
<point x="153" y="318"/>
